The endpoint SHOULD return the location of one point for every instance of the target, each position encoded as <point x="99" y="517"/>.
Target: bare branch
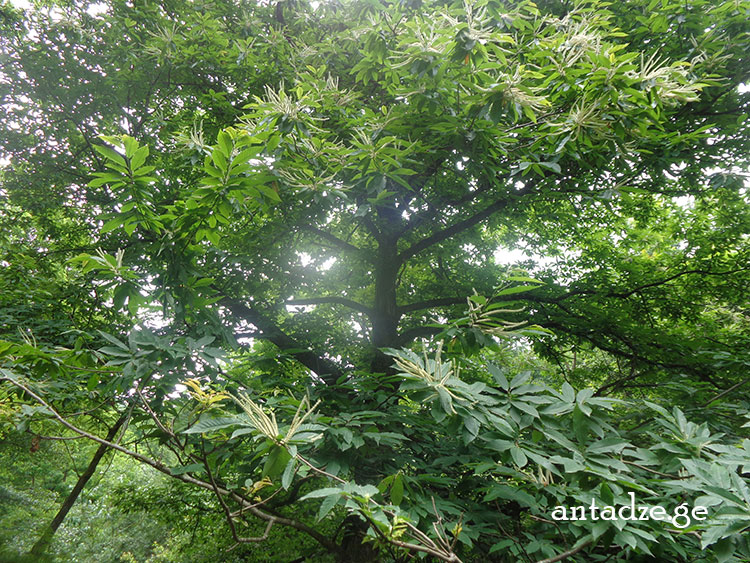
<point x="428" y="546"/>
<point x="229" y="516"/>
<point x="659" y="473"/>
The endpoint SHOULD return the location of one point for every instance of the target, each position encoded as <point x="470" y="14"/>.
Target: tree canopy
<point x="270" y="251"/>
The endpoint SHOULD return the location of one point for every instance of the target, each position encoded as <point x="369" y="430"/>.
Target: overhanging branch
<point x="339" y="243"/>
<point x="461" y="226"/>
<point x="671" y="278"/>
<point x="430" y="303"/>
<point x="333" y="300"/>
<point x="323" y="368"/>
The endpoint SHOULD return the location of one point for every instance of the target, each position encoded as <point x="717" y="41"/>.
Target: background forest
<point x="359" y="281"/>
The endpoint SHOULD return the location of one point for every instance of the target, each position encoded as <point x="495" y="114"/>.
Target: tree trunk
<point x="43" y="542"/>
<point x="385" y="318"/>
<point x="353" y="547"/>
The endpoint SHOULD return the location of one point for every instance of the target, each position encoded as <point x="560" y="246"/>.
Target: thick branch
<point x="674" y="277"/>
<point x="461" y="226"/>
<point x="335" y="300"/>
<point x="432" y="211"/>
<point x="633" y="354"/>
<point x="617" y="383"/>
<point x="431" y="303"/>
<point x="336" y="241"/>
<point x="325" y="369"/>
<point x="429" y="547"/>
<point x="725" y="392"/>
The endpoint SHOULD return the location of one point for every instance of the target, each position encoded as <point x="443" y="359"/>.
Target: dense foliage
<point x="262" y="252"/>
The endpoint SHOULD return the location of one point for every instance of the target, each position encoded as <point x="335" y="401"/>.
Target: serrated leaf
<point x="327" y="491"/>
<point x="224" y="143"/>
<point x="519" y="458"/>
<point x="520" y="379"/>
<point x="138" y="158"/>
<point x="397" y="489"/>
<point x="516" y="289"/>
<point x="326" y="506"/>
<point x="288" y="475"/>
<point x="114" y="340"/>
<point x="111" y="155"/>
<point x="111" y="225"/>
<point x="93" y="382"/>
<point x="241" y="432"/>
<point x="446" y="401"/>
<point x="192" y="468"/>
<point x="219" y="160"/>
<point x="211" y="424"/>
<point x="498" y="376"/>
<point x="276" y="461"/>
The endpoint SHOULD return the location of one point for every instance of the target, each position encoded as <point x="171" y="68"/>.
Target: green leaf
<point x="568" y="392"/>
<point x="219" y="160"/>
<point x="224" y="143"/>
<point x="472" y="425"/>
<point x="446" y="401"/>
<point x="724" y="550"/>
<point x="192" y="468"/>
<point x="319" y="493"/>
<point x="212" y="236"/>
<point x="288" y="475"/>
<point x="327" y="505"/>
<point x="111" y="225"/>
<point x="384" y="483"/>
<point x="111" y="155"/>
<point x="93" y="382"/>
<point x="498" y="376"/>
<point x="519" y="457"/>
<point x="516" y="289"/>
<point x="138" y="158"/>
<point x="397" y="489"/>
<point x="120" y="296"/>
<point x="113" y="351"/>
<point x="520" y="379"/>
<point x="208" y="423"/>
<point x="580" y="425"/>
<point x="269" y="192"/>
<point x="276" y="461"/>
<point x="114" y="340"/>
<point x="242" y="432"/>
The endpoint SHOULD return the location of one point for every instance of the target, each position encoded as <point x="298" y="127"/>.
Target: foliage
<point x="270" y="237"/>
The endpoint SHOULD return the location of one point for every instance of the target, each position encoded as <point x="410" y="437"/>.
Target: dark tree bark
<point x="385" y="314"/>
